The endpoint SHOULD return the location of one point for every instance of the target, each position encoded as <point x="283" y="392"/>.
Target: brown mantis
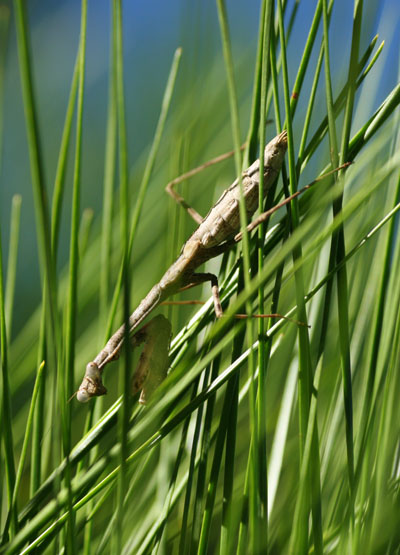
<point x="216" y="232"/>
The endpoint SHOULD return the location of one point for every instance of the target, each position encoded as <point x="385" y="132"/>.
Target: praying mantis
<point x="217" y="232"/>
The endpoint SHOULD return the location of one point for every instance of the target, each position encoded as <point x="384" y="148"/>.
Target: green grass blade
<point x="338" y="245"/>
<point x="305" y="372"/>
<point x="123" y="417"/>
<point x="6" y="411"/>
<point x="260" y="450"/>
<point x="59" y="181"/>
<point x="40" y="450"/>
<point x="65" y="384"/>
<point x="234" y="112"/>
<point x="35" y="154"/>
<point x="24" y="450"/>
<point x="12" y="259"/>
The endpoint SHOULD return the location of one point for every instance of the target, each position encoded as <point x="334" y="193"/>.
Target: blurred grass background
<point x="143" y="507"/>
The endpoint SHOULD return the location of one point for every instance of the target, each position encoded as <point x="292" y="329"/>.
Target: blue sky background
<point x="152" y="32"/>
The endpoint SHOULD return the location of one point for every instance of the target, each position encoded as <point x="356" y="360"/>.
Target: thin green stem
<point x="338" y="245"/>
<point x="47" y="263"/>
<point x="234" y="112"/>
<point x="66" y="382"/>
<point x="35" y="155"/>
<point x="305" y="371"/>
<point x="24" y="449"/>
<point x="6" y="411"/>
<point x="12" y="260"/>
<point x="123" y="421"/>
<point x="42" y="446"/>
<point x="260" y="442"/>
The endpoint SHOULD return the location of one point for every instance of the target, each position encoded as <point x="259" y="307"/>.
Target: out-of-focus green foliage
<point x="297" y="456"/>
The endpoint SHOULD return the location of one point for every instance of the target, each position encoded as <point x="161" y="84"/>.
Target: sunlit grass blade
<point x="6" y="411"/>
<point x="305" y="369"/>
<point x="35" y="154"/>
<point x="24" y="449"/>
<point x="12" y="260"/>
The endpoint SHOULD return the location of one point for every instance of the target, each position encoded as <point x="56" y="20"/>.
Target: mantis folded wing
<point x="153" y="363"/>
<point x="215" y="234"/>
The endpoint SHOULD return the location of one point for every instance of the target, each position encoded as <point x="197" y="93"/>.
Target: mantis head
<point x="91" y="385"/>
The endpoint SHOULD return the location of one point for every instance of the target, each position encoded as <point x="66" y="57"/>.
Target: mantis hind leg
<point x="153" y="364"/>
<point x="179" y="199"/>
<point x="197" y="279"/>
